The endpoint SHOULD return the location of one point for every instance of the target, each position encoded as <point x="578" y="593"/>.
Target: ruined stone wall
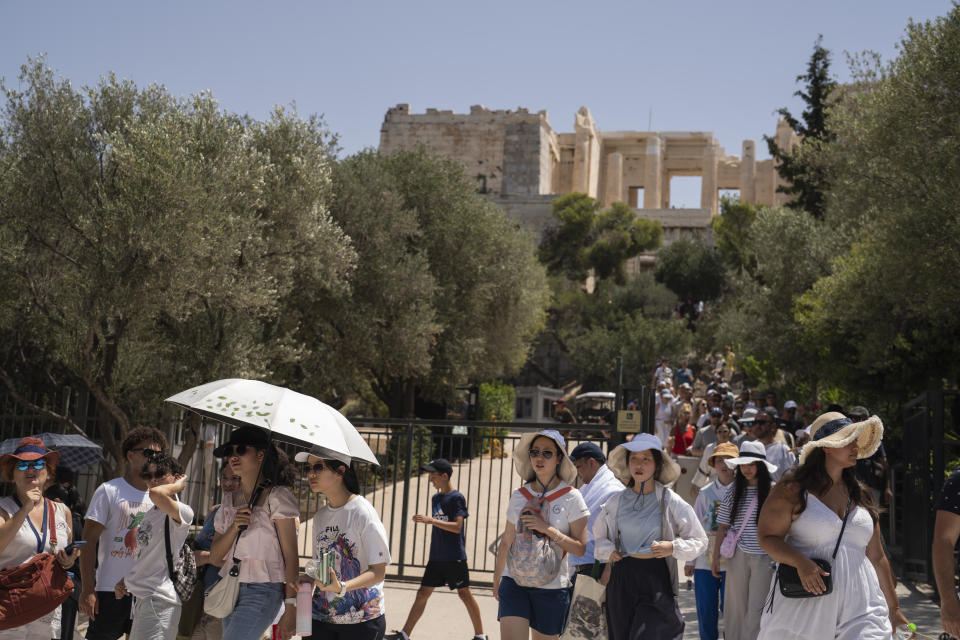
<point x="495" y="147"/>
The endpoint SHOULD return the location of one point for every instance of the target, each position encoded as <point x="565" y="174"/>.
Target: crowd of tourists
<point x="782" y="539"/>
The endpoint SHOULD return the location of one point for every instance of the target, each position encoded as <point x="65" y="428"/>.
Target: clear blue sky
<point x="713" y="66"/>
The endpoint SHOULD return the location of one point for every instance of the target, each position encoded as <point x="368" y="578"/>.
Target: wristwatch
<point x="343" y="588"/>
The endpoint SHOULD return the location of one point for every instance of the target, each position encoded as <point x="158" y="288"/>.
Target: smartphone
<point x="327" y="563"/>
<point x="76" y="544"/>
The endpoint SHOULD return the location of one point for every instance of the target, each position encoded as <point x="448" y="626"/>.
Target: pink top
<point x="258" y="547"/>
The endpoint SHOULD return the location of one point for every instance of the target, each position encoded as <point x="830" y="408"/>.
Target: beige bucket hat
<point x="834" y="430"/>
<point x="521" y="456"/>
<point x="618" y="460"/>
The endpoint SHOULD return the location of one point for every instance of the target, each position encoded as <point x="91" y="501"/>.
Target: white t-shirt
<point x="564" y="510"/>
<point x="119" y="507"/>
<point x="150" y="575"/>
<point x="357" y="537"/>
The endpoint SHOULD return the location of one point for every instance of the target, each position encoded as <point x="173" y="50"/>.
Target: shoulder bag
<point x="36" y="587"/>
<point x="789" y="578"/>
<point x="729" y="544"/>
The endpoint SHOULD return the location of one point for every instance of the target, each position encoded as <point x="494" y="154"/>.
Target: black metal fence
<point x="931" y="438"/>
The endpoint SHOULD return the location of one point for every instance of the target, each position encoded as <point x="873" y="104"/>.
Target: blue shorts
<point x="546" y="609"/>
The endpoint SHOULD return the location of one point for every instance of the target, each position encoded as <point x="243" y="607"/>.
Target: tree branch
<point x="26" y="404"/>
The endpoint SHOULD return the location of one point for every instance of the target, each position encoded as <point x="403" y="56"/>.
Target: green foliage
<point x="807" y="179"/>
<point x="691" y="269"/>
<point x="886" y="316"/>
<point x="147" y="243"/>
<point x="447" y="288"/>
<point x="496" y="402"/>
<point x="731" y="233"/>
<point x="585" y="239"/>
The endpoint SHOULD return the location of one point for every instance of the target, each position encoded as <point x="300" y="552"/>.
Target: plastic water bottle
<point x="305" y="609"/>
<point x="311" y="569"/>
<point x="905" y="631"/>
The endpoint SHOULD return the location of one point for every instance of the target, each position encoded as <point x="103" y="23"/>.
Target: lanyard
<point x="41" y="541"/>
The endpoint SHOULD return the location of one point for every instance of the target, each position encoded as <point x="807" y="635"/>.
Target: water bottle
<point x="905" y="631"/>
<point x="311" y="569"/>
<point x="305" y="609"/>
<point x="689" y="584"/>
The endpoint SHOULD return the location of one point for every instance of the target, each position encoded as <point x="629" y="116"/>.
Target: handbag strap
<point x="166" y="543"/>
<point x="746" y="519"/>
<point x="840" y="537"/>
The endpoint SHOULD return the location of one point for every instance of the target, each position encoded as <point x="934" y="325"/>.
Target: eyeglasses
<point x="316" y="469"/>
<point x="146" y="453"/>
<point x="23" y="465"/>
<point x="546" y="454"/>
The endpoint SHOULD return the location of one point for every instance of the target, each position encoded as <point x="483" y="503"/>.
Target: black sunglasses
<point x="150" y="476"/>
<point x="316" y="468"/>
<point x="238" y="450"/>
<point x="146" y="453"/>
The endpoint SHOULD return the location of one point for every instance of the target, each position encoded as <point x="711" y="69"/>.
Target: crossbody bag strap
<point x="840" y="537"/>
<point x="746" y="519"/>
<point x="166" y="544"/>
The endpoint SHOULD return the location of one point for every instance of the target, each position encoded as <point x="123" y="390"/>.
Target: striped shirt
<point x="748" y="538"/>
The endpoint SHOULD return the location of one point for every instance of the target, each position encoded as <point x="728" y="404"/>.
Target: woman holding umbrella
<point x="25" y="525"/>
<point x="261" y="540"/>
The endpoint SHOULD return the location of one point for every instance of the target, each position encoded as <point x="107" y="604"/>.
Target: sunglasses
<point x="546" y="454"/>
<point x="238" y="450"/>
<point x="23" y="465"/>
<point x="316" y="468"/>
<point x="146" y="453"/>
<point x="150" y="476"/>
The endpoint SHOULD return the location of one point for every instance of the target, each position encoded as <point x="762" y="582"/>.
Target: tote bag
<point x="587" y="616"/>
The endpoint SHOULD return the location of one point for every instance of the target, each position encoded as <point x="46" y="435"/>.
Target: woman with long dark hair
<point x="267" y="548"/>
<point x="642" y="531"/>
<point x="803" y="519"/>
<point x="749" y="569"/>
<point x="348" y="603"/>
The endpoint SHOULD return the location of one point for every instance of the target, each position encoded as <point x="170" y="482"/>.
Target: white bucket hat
<point x="835" y="430"/>
<point x="521" y="456"/>
<point x="619" y="458"/>
<point x="751" y="452"/>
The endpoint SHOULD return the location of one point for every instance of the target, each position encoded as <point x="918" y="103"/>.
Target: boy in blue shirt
<point x="448" y="554"/>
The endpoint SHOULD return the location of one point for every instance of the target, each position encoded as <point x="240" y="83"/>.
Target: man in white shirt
<point x="599" y="484"/>
<point x="116" y="510"/>
<point x="156" y="609"/>
<point x="664" y="415"/>
<point x="765" y="430"/>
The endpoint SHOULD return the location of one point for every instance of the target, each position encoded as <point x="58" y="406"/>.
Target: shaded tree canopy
<point x="691" y="269"/>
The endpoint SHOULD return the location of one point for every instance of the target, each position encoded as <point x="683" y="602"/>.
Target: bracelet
<point x="290" y="601"/>
<point x="343" y="588"/>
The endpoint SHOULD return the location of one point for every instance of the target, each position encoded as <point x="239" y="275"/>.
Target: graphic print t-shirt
<point x="120" y="508"/>
<point x="150" y="576"/>
<point x="357" y="537"/>
<point x="446" y="545"/>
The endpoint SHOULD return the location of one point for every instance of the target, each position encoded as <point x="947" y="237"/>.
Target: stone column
<point x="784" y="137"/>
<point x="708" y="185"/>
<point x="748" y="170"/>
<point x="581" y="162"/>
<point x="614" y="186"/>
<point x="653" y="175"/>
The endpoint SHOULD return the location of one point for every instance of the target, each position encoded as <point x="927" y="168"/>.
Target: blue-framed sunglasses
<point x="23" y="465"/>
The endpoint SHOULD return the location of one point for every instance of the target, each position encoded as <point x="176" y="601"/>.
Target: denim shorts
<point x="546" y="609"/>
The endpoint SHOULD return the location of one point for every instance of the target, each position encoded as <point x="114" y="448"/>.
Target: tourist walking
<point x="546" y="520"/>
<point x="643" y="531"/>
<point x="265" y="553"/>
<point x="749" y="568"/>
<point x="820" y="511"/>
<point x="116" y="509"/>
<point x="26" y="527"/>
<point x="348" y="602"/>
<point x="163" y="530"/>
<point x="598" y="484"/>
<point x="448" y="554"/>
<point x="708" y="589"/>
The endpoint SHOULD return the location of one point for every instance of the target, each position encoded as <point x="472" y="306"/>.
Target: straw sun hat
<point x="619" y="458"/>
<point x="521" y="456"/>
<point x="834" y="430"/>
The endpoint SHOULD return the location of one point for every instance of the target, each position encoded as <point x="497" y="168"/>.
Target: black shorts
<point x="452" y="573"/>
<point x="112" y="619"/>
<point x="368" y="630"/>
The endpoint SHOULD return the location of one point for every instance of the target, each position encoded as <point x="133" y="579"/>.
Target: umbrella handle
<point x="265" y="484"/>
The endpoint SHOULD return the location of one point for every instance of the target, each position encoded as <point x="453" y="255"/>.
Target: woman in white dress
<point x="802" y="519"/>
<point x="24" y="527"/>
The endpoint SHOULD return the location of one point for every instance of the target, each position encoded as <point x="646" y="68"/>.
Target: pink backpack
<point x="533" y="560"/>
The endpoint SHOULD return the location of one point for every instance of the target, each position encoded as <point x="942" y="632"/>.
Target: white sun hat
<point x="751" y="452"/>
<point x="834" y="430"/>
<point x="521" y="456"/>
<point x="619" y="458"/>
